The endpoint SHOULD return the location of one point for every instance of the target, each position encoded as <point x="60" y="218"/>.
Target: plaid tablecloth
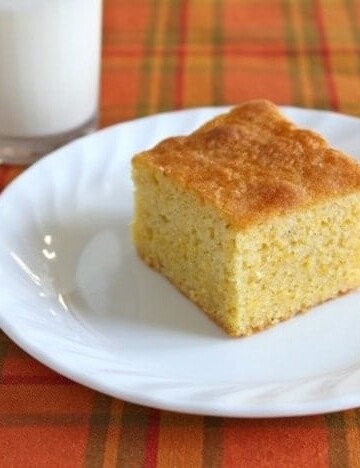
<point x="162" y="55"/>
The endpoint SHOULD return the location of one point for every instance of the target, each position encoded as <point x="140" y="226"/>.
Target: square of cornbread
<point x="250" y="217"/>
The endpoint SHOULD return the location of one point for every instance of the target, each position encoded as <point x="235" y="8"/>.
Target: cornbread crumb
<point x="250" y="217"/>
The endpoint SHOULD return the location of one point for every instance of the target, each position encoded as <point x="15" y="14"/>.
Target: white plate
<point x="74" y="295"/>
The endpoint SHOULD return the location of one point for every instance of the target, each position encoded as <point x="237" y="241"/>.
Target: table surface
<point x="162" y="55"/>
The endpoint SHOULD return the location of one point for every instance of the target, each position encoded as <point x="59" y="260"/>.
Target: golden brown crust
<point x="252" y="164"/>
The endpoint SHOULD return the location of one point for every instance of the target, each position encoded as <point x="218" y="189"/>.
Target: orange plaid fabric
<point x="161" y="55"/>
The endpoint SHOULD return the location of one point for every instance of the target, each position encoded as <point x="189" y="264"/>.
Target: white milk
<point x="49" y="65"/>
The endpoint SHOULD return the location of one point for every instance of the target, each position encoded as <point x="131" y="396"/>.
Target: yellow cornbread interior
<point x="297" y="261"/>
<point x="246" y="279"/>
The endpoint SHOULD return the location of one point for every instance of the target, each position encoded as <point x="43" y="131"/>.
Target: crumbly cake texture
<point x="250" y="217"/>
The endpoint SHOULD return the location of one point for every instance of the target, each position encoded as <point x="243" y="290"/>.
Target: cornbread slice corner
<point x="250" y="217"/>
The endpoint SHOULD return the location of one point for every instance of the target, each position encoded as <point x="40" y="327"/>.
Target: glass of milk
<point x="49" y="74"/>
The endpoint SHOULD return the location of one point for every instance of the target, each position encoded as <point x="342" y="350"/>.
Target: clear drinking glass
<point x="49" y="74"/>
